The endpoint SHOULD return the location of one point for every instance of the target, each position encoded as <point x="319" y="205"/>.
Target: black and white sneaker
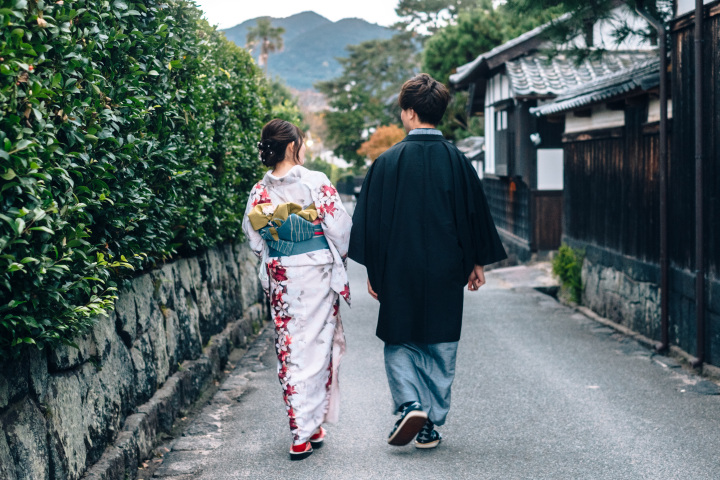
<point x="428" y="436"/>
<point x="411" y="421"/>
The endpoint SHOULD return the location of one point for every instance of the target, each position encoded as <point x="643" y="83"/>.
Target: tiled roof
<point x="472" y="147"/>
<point x="644" y="75"/>
<point x="537" y="75"/>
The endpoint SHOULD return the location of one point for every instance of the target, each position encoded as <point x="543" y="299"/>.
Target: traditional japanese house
<point x="523" y="168"/>
<point x="614" y="195"/>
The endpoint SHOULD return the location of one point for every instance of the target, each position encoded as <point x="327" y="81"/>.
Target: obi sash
<point x="288" y="228"/>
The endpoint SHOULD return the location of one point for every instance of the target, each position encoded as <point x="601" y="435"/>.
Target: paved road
<point x="541" y="392"/>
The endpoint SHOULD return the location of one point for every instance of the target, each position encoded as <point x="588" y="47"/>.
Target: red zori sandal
<point x="318" y="437"/>
<point x="299" y="452"/>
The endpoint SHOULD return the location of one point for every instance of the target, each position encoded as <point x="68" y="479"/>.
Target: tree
<point x="430" y="15"/>
<point x="363" y="96"/>
<point x="281" y="103"/>
<point x="382" y="139"/>
<point x="268" y="37"/>
<point x="584" y="14"/>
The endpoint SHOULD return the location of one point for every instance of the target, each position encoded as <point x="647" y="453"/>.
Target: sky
<point x="228" y="13"/>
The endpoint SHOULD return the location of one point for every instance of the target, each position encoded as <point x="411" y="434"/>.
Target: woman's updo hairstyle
<point x="275" y="137"/>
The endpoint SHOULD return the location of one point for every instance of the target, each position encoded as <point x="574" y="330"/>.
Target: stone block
<point x="7" y="465"/>
<point x="192" y="379"/>
<point x="144" y="428"/>
<point x="164" y="285"/>
<point x="126" y="316"/>
<point x="111" y="466"/>
<point x="65" y="357"/>
<point x="164" y="405"/>
<point x="128" y="444"/>
<point x="143" y="290"/>
<point x="188" y="315"/>
<point x="26" y="435"/>
<point x="145" y="372"/>
<point x="13" y="382"/>
<point x="66" y="411"/>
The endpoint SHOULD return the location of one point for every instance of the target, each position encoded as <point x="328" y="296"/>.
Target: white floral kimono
<point x="304" y="292"/>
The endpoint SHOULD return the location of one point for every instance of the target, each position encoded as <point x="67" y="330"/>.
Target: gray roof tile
<point x="536" y="74"/>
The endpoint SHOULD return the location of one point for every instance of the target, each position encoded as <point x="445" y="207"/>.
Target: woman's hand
<point x="371" y="291"/>
<point x="476" y="278"/>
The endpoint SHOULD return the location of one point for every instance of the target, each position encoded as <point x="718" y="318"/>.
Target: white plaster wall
<point x="654" y="110"/>
<point x="601" y="118"/>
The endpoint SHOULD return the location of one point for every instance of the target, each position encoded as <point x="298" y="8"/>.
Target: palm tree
<point x="269" y="37"/>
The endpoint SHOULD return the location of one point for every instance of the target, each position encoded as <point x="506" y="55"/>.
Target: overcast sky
<point x="228" y="13"/>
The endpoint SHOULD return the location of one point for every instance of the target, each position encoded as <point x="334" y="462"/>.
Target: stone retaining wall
<point x="65" y="410"/>
<point x="615" y="295"/>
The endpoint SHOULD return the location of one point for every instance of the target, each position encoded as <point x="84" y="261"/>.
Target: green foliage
<point x="362" y="98"/>
<point x="127" y="135"/>
<point x="567" y="266"/>
<point x="585" y="13"/>
<point x="282" y="103"/>
<point x="430" y="14"/>
<point x="319" y="165"/>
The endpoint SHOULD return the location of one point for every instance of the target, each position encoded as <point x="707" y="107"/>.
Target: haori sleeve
<point x="258" y="194"/>
<point x="336" y="222"/>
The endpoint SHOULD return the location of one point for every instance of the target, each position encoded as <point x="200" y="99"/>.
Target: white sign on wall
<point x="550" y="169"/>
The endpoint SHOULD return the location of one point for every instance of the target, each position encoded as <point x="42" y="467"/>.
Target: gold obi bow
<point x="260" y="220"/>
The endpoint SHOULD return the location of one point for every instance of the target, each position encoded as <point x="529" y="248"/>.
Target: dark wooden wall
<point x="611" y="188"/>
<point x="547" y="212"/>
<point x="682" y="158"/>
<point x="682" y="182"/>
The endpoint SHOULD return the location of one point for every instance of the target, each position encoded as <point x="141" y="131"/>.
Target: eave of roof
<point x="644" y="76"/>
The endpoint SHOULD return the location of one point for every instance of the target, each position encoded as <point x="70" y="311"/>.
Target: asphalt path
<point x="541" y="392"/>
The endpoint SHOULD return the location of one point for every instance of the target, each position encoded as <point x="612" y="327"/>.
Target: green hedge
<point x="127" y="136"/>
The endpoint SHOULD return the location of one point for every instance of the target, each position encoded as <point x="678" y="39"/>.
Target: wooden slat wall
<point x="548" y="219"/>
<point x="611" y="192"/>
<point x="682" y="158"/>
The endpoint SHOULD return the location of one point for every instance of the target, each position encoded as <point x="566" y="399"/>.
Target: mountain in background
<point x="312" y="44"/>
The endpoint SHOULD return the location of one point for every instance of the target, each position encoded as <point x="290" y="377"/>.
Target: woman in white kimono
<point x="295" y="222"/>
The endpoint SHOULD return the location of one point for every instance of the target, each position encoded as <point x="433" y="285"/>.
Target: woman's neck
<point x="283" y="167"/>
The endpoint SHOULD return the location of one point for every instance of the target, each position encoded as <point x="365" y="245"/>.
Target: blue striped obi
<point x="286" y="232"/>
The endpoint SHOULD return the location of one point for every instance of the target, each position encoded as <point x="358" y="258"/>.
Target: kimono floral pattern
<point x="304" y="292"/>
<point x="281" y="317"/>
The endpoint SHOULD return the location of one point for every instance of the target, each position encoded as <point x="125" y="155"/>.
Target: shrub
<point x="567" y="266"/>
<point x="127" y="135"/>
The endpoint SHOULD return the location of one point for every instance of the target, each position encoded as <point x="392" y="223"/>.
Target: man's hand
<point x="476" y="278"/>
<point x="371" y="291"/>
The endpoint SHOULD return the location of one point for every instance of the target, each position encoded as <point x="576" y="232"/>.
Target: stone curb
<point x="134" y="444"/>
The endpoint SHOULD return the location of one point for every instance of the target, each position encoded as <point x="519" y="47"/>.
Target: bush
<point x="567" y="266"/>
<point x="127" y="136"/>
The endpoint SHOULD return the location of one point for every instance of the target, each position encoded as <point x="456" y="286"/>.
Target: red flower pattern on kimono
<point x="326" y="201"/>
<point x="346" y="292"/>
<point x="283" y="339"/>
<point x="259" y="194"/>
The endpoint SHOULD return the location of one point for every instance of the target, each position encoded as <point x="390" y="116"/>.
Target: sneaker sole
<point x="407" y="430"/>
<point x="432" y="444"/>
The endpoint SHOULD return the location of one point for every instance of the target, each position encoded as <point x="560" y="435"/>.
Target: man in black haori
<point x="423" y="230"/>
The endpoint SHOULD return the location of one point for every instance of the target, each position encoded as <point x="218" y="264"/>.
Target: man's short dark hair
<point x="428" y="97"/>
